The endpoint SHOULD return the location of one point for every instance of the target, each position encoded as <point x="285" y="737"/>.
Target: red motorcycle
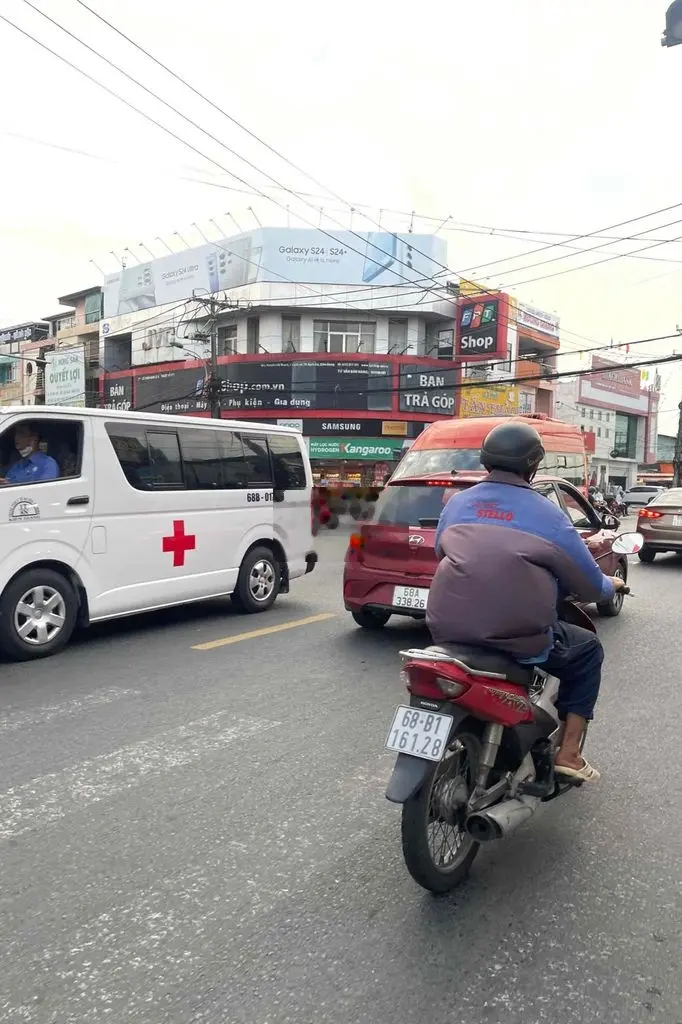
<point x="476" y="748"/>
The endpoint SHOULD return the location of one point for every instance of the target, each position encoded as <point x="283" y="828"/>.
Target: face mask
<point x="25" y="452"/>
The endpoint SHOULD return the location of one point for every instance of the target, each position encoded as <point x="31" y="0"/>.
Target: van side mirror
<point x="278" y="494"/>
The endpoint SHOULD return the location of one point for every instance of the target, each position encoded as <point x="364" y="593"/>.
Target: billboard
<point x="343" y="448"/>
<point x="488" y="401"/>
<point x="427" y="389"/>
<point x="537" y="320"/>
<point x="65" y="377"/>
<point x="274" y="385"/>
<point x="482" y="325"/>
<point x="296" y="255"/>
<point x="614" y="386"/>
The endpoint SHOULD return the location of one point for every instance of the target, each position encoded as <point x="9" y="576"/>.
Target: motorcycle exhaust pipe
<point x="503" y="819"/>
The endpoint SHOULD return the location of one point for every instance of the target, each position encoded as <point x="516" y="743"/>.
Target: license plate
<point x="410" y="597"/>
<point x="677" y="520"/>
<point x="420" y="733"/>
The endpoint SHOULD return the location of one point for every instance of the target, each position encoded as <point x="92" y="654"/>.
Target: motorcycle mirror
<point x="628" y="544"/>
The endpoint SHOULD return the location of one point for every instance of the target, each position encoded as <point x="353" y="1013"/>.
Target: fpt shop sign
<point x="482" y="327"/>
<point x="427" y="389"/>
<point x="356" y="449"/>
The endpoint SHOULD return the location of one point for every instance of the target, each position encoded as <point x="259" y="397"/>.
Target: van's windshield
<point x="569" y="465"/>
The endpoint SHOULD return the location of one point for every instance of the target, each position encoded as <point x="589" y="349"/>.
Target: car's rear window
<point x="671" y="497"/>
<point x="643" y="490"/>
<point x="412" y="504"/>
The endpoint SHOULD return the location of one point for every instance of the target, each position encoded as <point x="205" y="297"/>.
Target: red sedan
<point x="391" y="561"/>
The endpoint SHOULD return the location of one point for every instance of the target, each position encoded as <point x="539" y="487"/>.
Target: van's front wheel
<point x="258" y="583"/>
<point x="38" y="612"/>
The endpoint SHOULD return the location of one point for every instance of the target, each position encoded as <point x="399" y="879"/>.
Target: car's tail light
<point x="356" y="542"/>
<point x="650" y="513"/>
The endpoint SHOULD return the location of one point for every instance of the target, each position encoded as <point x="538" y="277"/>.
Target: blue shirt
<point x="31" y="470"/>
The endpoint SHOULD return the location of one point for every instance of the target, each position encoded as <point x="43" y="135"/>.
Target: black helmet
<point x="515" y="447"/>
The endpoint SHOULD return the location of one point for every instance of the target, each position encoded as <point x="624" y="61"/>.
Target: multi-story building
<point x="351" y="342"/>
<point x="500" y="340"/>
<point x="21" y="351"/>
<point x="611" y="403"/>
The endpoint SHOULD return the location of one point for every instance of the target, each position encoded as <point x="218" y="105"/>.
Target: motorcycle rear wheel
<point x="435" y="861"/>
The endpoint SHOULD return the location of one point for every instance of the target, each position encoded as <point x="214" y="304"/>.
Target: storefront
<point x="353" y="462"/>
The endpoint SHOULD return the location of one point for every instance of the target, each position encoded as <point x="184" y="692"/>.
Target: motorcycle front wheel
<point x="438" y="850"/>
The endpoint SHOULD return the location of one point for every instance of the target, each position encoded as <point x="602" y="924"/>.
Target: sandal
<point x="585" y="774"/>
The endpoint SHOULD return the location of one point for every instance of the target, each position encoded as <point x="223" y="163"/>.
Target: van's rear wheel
<point x="38" y="612"/>
<point x="258" y="583"/>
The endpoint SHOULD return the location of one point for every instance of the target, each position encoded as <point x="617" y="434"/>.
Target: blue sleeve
<point x="579" y="573"/>
<point x="48" y="469"/>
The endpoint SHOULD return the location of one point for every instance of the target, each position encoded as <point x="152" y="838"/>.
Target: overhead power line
<point x="210" y="135"/>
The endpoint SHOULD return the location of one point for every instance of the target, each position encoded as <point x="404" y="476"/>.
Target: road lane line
<point x="211" y="645"/>
<point x="11" y="720"/>
<point x="51" y="797"/>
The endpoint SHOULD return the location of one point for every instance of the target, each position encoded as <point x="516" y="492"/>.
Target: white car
<point x="137" y="512"/>
<point x="641" y="495"/>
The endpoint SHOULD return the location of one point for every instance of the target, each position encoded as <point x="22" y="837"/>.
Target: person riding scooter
<point x="506" y="554"/>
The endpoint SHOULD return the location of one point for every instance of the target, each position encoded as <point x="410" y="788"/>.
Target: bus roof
<point x="470" y="432"/>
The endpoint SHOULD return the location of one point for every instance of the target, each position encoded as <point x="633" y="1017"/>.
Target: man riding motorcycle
<point x="507" y="553"/>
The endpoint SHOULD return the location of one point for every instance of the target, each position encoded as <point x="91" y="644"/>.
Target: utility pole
<point x="214" y="380"/>
<point x="677" y="464"/>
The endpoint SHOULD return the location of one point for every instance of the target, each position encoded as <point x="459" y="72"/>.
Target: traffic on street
<point x="193" y="827"/>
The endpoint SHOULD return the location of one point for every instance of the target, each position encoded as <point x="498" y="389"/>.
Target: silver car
<point x="641" y="495"/>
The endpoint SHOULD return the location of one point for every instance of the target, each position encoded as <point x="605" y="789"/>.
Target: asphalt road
<point x="201" y="835"/>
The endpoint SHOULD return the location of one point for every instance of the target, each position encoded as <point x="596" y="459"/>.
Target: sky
<point x="496" y="118"/>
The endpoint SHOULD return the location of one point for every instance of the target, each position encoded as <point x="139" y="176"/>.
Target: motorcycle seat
<point x="486" y="660"/>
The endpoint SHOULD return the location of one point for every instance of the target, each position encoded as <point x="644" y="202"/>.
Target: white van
<point x="143" y="512"/>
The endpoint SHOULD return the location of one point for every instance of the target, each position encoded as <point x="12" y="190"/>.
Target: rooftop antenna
<point x="195" y="225"/>
<point x="239" y="228"/>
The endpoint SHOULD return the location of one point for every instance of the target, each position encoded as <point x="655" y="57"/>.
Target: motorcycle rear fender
<point x="410" y="773"/>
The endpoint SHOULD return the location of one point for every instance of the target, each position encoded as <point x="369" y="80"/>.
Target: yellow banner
<point x="394" y="428"/>
<point x="467" y="288"/>
<point x="495" y="400"/>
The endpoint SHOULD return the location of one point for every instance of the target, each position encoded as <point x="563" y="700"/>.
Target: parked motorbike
<point x="476" y="748"/>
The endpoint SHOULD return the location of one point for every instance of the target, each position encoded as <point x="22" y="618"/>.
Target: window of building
<point x="288" y="467"/>
<point x="66" y="321"/>
<point x="598" y="431"/>
<point x="227" y="340"/>
<point x="340" y="336"/>
<point x="625" y="436"/>
<point x="291" y="334"/>
<point x="591" y="414"/>
<point x="253" y="335"/>
<point x="62" y="440"/>
<point x="397" y="337"/>
<point x="599" y="414"/>
<point x="201" y="460"/>
<point x="93" y="308"/>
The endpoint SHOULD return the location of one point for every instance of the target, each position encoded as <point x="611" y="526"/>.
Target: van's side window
<point x="149" y="459"/>
<point x="288" y="466"/>
<point x="201" y="460"/>
<point x="235" y="468"/>
<point x="164" y="459"/>
<point x="58" y="454"/>
<point x="257" y="460"/>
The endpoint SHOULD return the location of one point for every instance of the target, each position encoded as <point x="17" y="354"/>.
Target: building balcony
<point x="530" y="368"/>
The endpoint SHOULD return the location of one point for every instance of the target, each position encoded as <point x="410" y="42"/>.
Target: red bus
<point x="455" y="445"/>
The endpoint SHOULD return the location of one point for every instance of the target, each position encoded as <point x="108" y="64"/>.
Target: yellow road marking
<point x="211" y="645"/>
